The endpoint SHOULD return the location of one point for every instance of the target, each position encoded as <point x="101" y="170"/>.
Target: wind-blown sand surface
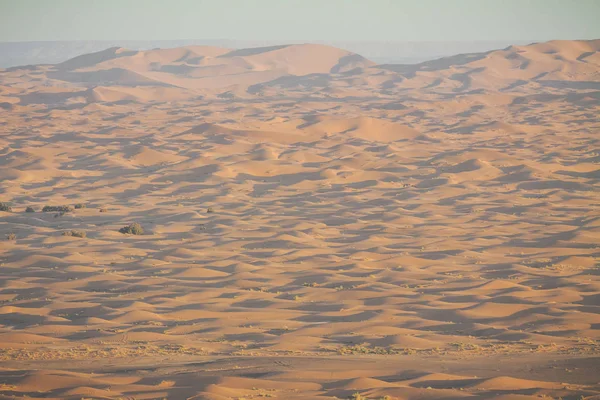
<point x="316" y="225"/>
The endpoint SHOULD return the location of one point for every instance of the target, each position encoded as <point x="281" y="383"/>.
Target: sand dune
<point x="315" y="225"/>
<point x="365" y="128"/>
<point x="200" y="69"/>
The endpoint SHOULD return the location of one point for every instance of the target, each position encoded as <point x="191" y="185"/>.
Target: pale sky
<point x="306" y="20"/>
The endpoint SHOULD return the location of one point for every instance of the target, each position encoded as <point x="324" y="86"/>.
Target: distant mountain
<point x="53" y="52"/>
<point x="191" y="69"/>
<point x="554" y="63"/>
<point x="118" y="74"/>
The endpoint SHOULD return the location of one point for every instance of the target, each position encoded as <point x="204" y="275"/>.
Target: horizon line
<point x="294" y="40"/>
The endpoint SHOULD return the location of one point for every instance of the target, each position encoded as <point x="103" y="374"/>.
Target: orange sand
<point x="420" y="232"/>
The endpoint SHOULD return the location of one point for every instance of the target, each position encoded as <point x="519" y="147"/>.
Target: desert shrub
<point x="104" y="209"/>
<point x="5" y="207"/>
<point x="210" y="210"/>
<point x="29" y="209"/>
<point x="132" y="229"/>
<point x="11" y="236"/>
<point x="62" y="209"/>
<point x="76" y="233"/>
<point x="79" y="206"/>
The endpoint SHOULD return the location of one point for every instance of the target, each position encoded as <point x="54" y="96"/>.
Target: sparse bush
<point x="132" y="229"/>
<point x="79" y="206"/>
<point x="5" y="207"/>
<point x="76" y="233"/>
<point x="29" y="209"/>
<point x="11" y="236"/>
<point x="104" y="209"/>
<point x="62" y="209"/>
<point x="210" y="210"/>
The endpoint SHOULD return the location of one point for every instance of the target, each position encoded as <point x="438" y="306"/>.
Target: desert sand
<point x="316" y="226"/>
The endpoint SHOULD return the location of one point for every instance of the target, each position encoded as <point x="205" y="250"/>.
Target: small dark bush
<point x="132" y="229"/>
<point x="62" y="209"/>
<point x="29" y="209"/>
<point x="5" y="207"/>
<point x="11" y="236"/>
<point x="79" y="206"/>
<point x="210" y="210"/>
<point x="104" y="210"/>
<point x="80" y="234"/>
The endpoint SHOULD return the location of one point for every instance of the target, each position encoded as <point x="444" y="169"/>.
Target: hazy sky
<point x="342" y="20"/>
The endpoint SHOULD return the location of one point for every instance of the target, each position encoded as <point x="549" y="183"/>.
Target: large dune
<point x="316" y="226"/>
